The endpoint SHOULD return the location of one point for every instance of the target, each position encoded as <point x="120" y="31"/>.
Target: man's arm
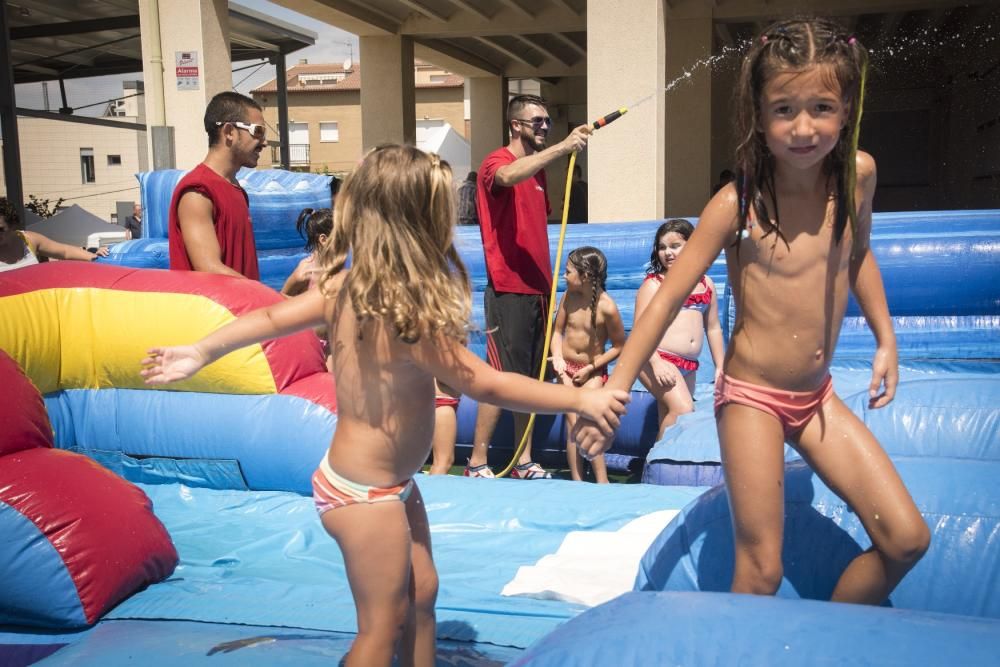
<point x="524" y="168"/>
<point x="194" y="212"/>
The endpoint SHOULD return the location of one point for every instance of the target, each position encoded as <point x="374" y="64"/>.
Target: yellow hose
<point x="549" y="320"/>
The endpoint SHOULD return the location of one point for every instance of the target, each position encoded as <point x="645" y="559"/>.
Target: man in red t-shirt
<point x="209" y="228"/>
<point x="513" y="207"/>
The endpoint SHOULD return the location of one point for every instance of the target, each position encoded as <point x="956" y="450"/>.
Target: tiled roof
<point x="351" y="82"/>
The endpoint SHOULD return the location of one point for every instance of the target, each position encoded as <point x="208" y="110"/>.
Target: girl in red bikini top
<point x="670" y="373"/>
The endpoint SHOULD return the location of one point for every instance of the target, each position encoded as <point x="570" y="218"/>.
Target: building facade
<point x="324" y="112"/>
<point x="93" y="166"/>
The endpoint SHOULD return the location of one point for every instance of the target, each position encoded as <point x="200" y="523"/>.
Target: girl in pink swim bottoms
<point x="586" y="321"/>
<point x="398" y="319"/>
<point x="795" y="225"/>
<point x="670" y="374"/>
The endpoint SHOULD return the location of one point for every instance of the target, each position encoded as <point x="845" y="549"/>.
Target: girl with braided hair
<point x="587" y="319"/>
<point x="670" y="373"/>
<point x="795" y="224"/>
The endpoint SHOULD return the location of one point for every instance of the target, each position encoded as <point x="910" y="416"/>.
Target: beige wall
<point x="626" y="160"/>
<point x="447" y="104"/>
<point x="50" y="163"/>
<point x="344" y="107"/>
<point x="184" y="110"/>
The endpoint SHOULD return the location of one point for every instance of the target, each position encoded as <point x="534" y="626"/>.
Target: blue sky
<point x="332" y="45"/>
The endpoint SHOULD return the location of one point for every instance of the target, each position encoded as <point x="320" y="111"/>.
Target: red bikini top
<point x="695" y="300"/>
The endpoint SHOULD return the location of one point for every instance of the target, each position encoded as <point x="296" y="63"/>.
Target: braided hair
<point x="592" y="266"/>
<point x="789" y="46"/>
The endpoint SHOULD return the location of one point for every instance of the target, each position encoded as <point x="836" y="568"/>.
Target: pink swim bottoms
<point x="573" y="366"/>
<point x="793" y="409"/>
<point x="331" y="491"/>
<point x="684" y="365"/>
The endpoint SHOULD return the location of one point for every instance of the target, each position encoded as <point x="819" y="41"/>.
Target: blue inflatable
<point x="276" y="199"/>
<point x="706" y="630"/>
<point x="958" y="574"/>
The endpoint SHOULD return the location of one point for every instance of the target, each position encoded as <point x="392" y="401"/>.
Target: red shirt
<point x="514" y="228"/>
<point x="230" y="217"/>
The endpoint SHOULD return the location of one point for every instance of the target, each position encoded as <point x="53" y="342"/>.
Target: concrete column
<point x="688" y="177"/>
<point x="487" y="106"/>
<point x="198" y="26"/>
<point x="626" y="160"/>
<point x="388" y="111"/>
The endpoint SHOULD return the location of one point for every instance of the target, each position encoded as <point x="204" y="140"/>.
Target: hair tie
<point x="852" y="40"/>
<point x="763" y="39"/>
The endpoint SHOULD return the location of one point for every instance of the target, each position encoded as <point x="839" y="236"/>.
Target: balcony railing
<point x="298" y="154"/>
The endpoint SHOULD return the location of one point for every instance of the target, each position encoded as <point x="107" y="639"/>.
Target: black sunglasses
<point x="536" y="121"/>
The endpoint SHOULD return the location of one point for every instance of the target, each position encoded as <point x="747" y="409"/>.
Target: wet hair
<point x="519" y="102"/>
<point x="677" y="225"/>
<point x="796" y="45"/>
<point x="395" y="219"/>
<point x="592" y="266"/>
<point x="226" y="107"/>
<point x="312" y="224"/>
<point x="9" y="213"/>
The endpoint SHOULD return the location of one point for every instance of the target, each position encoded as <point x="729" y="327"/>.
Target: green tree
<point x="43" y="208"/>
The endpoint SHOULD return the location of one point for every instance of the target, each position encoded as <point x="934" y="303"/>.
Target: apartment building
<point x="324" y="112"/>
<point x="93" y="166"/>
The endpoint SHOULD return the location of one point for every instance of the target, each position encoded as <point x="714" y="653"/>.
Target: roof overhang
<point x="67" y="39"/>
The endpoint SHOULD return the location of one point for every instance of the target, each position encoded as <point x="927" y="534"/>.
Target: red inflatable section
<point x="102" y="527"/>
<point x="24" y="423"/>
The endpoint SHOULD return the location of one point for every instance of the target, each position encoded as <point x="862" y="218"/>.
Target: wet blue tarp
<point x="262" y="558"/>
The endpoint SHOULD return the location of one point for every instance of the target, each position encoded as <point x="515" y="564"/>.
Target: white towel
<point x="591" y="567"/>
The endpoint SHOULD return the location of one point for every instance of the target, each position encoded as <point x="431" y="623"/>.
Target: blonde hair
<point x="395" y="219"/>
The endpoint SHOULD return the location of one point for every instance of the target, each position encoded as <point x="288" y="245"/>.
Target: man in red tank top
<point x="513" y="207"/>
<point x="210" y="227"/>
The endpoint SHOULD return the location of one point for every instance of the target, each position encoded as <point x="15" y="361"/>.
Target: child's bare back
<point x="380" y="440"/>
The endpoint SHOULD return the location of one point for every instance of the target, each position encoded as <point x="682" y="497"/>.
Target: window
<point x="87" y="173"/>
<point x="114" y="160"/>
<point x="329" y="131"/>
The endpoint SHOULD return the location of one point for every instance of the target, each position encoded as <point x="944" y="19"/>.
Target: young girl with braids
<point x="795" y="225"/>
<point x="397" y="319"/>
<point x="586" y="320"/>
<point x="670" y="374"/>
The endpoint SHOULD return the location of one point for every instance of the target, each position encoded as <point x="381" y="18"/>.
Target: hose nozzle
<point x="611" y="117"/>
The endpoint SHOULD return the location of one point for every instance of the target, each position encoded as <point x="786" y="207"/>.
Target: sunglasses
<point x="255" y="130"/>
<point x="536" y="121"/>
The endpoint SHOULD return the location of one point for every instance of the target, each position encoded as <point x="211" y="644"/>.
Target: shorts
<point x="684" y="365"/>
<point x="515" y="331"/>
<point x="793" y="409"/>
<point x="573" y="366"/>
<point x="331" y="491"/>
